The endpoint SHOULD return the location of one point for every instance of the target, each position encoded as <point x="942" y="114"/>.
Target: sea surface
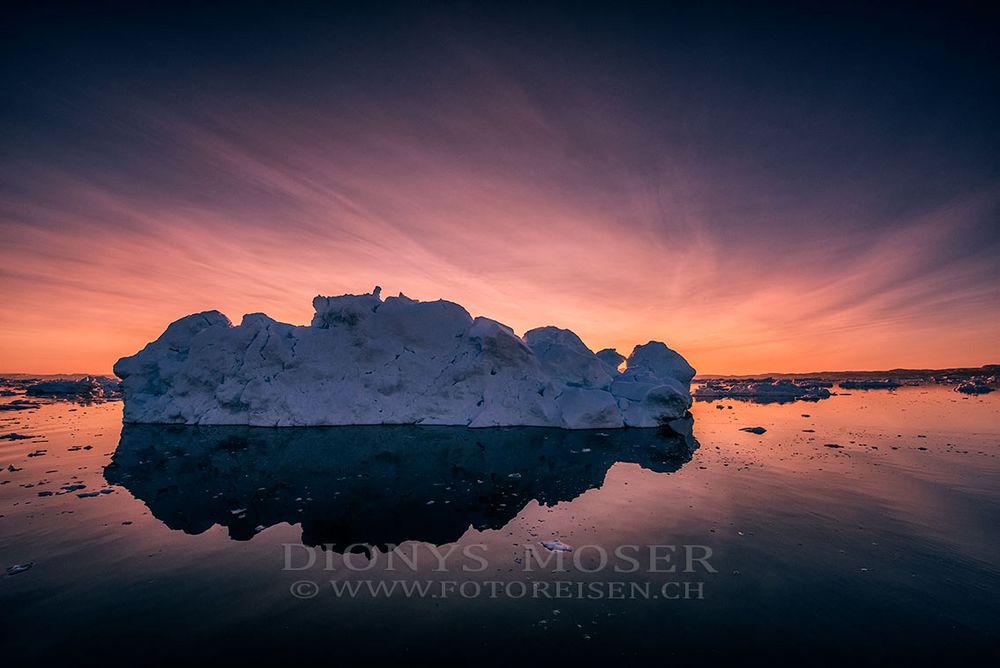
<point x="863" y="527"/>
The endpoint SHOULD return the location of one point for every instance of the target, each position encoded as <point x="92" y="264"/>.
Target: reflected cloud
<point x="373" y="485"/>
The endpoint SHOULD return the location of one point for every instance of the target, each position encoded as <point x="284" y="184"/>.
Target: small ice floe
<point x="238" y="511"/>
<point x="973" y="388"/>
<point x="19" y="405"/>
<point x="832" y="445"/>
<point x="19" y="568"/>
<point x="88" y="495"/>
<point x="38" y="453"/>
<point x="556" y="546"/>
<point x="13" y="436"/>
<point x="753" y="430"/>
<point x="259" y="528"/>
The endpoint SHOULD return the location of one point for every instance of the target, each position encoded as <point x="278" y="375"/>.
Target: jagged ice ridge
<point x="365" y="360"/>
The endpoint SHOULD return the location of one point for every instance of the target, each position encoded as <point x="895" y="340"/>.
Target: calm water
<point x="199" y="542"/>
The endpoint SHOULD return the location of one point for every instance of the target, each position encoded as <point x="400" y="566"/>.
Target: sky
<point x="764" y="187"/>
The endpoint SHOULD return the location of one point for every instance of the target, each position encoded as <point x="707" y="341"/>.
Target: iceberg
<point x="364" y="360"/>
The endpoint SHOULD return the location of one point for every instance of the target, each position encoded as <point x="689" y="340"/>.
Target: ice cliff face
<point x="365" y="360"/>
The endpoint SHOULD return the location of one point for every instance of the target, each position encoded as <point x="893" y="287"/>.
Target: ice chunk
<point x="589" y="409"/>
<point x="611" y="357"/>
<point x="973" y="388"/>
<point x="655" y="361"/>
<point x="556" y="546"/>
<point x="19" y="568"/>
<point x="566" y="358"/>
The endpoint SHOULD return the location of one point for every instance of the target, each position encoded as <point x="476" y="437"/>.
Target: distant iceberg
<point x="365" y="360"/>
<point x="763" y="390"/>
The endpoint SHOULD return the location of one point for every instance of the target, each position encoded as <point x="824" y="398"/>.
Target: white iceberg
<point x="365" y="360"/>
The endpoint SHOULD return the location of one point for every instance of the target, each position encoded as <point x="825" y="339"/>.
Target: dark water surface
<point x="231" y="543"/>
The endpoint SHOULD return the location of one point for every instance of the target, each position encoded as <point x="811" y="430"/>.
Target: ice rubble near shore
<point x="365" y="360"/>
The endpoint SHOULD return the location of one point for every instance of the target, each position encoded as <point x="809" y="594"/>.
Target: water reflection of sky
<point x="888" y="542"/>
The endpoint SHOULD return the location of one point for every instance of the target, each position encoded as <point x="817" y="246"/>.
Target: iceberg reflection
<point x="374" y="485"/>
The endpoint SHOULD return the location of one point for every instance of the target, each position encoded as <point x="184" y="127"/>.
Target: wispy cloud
<point x="533" y="208"/>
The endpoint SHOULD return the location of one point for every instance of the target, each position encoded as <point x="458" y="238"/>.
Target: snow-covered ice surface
<point x="365" y="360"/>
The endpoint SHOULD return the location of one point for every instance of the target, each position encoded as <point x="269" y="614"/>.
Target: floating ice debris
<point x="556" y="546"/>
<point x="365" y="360"/>
<point x="89" y="388"/>
<point x="885" y="384"/>
<point x="238" y="511"/>
<point x="763" y="390"/>
<point x="38" y="453"/>
<point x="754" y="430"/>
<point x="832" y="445"/>
<point x="973" y="388"/>
<point x="13" y="437"/>
<point x="19" y="568"/>
<point x="19" y="405"/>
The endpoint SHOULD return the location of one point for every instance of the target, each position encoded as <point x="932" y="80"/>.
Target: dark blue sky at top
<point x="818" y="97"/>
